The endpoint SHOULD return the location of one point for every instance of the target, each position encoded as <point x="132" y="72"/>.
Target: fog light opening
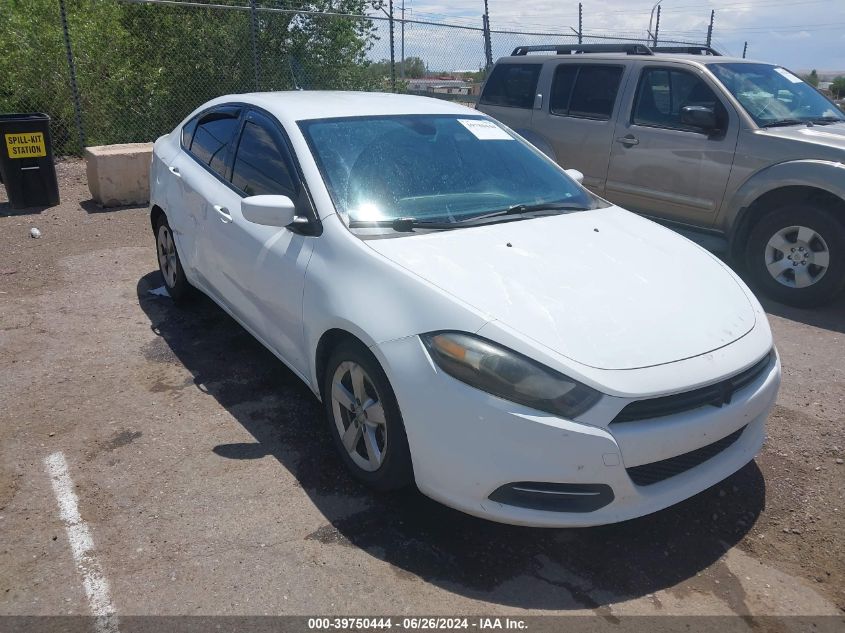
<point x="554" y="497"/>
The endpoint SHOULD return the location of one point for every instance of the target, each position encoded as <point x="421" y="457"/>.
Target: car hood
<point x="605" y="288"/>
<point x="828" y="136"/>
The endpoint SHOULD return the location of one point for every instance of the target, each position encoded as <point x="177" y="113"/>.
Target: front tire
<point x="364" y="418"/>
<point x="796" y="255"/>
<point x="169" y="263"/>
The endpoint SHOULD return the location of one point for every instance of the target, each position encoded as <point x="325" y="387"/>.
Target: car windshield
<point x="434" y="168"/>
<point x="774" y="96"/>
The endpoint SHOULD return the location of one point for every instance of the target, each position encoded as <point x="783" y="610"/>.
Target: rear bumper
<point x="467" y="444"/>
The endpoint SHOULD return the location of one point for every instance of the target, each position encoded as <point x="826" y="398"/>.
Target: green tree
<point x="379" y="75"/>
<point x="838" y="87"/>
<point x="34" y="73"/>
<point x="414" y="67"/>
<point x="142" y="68"/>
<point x="812" y="79"/>
<point x="476" y="77"/>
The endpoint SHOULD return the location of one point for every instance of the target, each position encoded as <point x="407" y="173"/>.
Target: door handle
<point x="223" y="212"/>
<point x="628" y="140"/>
<point x="175" y="171"/>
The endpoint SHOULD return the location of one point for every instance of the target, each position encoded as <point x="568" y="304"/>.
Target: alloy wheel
<point x="797" y="256"/>
<point x="167" y="255"/>
<point x="359" y="416"/>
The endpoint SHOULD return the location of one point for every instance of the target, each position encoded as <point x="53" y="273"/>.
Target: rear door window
<point x="262" y="163"/>
<point x="586" y="90"/>
<point x="213" y="138"/>
<point x="188" y="132"/>
<point x="512" y="85"/>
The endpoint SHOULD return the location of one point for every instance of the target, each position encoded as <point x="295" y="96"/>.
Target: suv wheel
<point x="796" y="255"/>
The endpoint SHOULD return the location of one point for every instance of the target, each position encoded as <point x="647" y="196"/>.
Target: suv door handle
<point x="223" y="212"/>
<point x="175" y="171"/>
<point x="628" y="140"/>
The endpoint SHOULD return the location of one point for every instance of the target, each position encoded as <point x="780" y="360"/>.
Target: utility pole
<point x="710" y="28"/>
<point x="580" y="23"/>
<point x="744" y="50"/>
<point x="392" y="51"/>
<point x="488" y="44"/>
<point x="657" y="26"/>
<point x="402" y="46"/>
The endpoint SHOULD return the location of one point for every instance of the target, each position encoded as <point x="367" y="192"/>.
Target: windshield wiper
<point x="784" y="122"/>
<point x="827" y="120"/>
<point x="400" y="225"/>
<point x="522" y="209"/>
<point x="514" y="212"/>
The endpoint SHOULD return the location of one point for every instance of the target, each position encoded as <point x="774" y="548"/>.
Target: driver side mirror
<point x="576" y="175"/>
<point x="702" y="117"/>
<point x="270" y="211"/>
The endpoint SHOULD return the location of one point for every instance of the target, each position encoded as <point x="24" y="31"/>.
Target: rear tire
<point x="169" y="264"/>
<point x="796" y="255"/>
<point x="364" y="418"/>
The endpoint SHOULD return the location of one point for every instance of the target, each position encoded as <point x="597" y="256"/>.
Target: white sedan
<point x="472" y="318"/>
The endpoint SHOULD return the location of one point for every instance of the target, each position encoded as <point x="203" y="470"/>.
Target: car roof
<point x="301" y="105"/>
<point x="667" y="57"/>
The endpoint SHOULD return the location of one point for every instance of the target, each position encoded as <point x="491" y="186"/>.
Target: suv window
<point x="213" y="137"/>
<point x="512" y="85"/>
<point x="663" y="92"/>
<point x="587" y="90"/>
<point x="262" y="164"/>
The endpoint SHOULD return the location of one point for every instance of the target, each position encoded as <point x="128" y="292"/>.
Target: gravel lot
<point x="209" y="486"/>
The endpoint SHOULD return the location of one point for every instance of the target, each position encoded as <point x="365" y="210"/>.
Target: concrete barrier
<point x="119" y="174"/>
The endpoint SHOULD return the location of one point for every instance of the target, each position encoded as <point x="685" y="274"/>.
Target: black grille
<point x="716" y="395"/>
<point x="648" y="474"/>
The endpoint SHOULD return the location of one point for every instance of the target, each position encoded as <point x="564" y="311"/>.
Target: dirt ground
<point x="203" y="470"/>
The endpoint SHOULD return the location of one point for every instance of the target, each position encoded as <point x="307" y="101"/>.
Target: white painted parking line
<point x="82" y="545"/>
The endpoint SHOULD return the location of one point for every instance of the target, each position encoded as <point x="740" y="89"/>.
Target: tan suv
<point x="742" y="156"/>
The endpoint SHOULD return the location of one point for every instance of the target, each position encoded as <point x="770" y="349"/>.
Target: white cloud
<point x="800" y="34"/>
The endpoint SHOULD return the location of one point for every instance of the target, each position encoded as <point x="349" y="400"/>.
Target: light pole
<point x="402" y="63"/>
<point x="651" y="19"/>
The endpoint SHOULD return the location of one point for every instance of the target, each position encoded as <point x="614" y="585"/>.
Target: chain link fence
<point x="122" y="71"/>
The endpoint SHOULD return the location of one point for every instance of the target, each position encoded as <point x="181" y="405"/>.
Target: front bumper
<point x="466" y="444"/>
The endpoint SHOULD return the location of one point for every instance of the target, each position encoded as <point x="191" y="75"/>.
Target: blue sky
<point x="799" y="34"/>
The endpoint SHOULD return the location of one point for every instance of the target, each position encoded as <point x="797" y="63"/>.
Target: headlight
<point x="504" y="373"/>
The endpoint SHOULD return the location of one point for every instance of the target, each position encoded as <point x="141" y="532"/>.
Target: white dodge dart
<point x="473" y="319"/>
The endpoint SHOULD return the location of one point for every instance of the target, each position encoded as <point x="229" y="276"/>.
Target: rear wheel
<point x="364" y="418"/>
<point x="796" y="254"/>
<point x="168" y="262"/>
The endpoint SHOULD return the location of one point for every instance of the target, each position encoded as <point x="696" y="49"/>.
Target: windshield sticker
<point x="785" y="73"/>
<point x="485" y="130"/>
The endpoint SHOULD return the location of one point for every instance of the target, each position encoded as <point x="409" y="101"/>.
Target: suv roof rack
<point x="692" y="49"/>
<point x="568" y="49"/>
<point x="628" y="49"/>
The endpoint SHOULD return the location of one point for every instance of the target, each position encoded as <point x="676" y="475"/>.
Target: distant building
<point x="440" y="85"/>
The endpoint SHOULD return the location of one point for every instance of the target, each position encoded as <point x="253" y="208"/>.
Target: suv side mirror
<point x="269" y="210"/>
<point x="703" y="117"/>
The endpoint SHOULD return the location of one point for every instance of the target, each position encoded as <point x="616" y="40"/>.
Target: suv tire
<point x="796" y="254"/>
